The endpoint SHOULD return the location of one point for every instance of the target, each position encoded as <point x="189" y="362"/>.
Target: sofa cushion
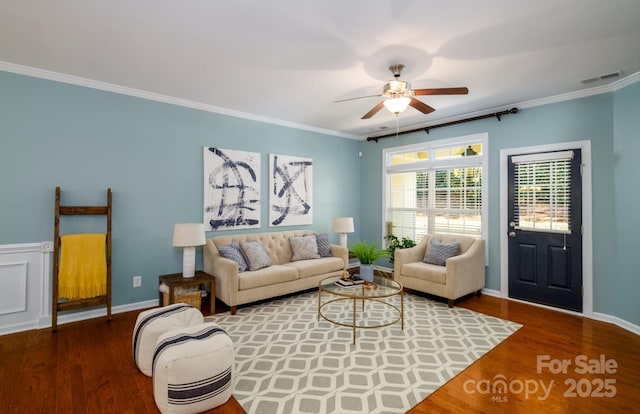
<point x="425" y="271"/>
<point x="324" y="247"/>
<point x="303" y="248"/>
<point x="233" y="252"/>
<point x="439" y="252"/>
<point x="314" y="267"/>
<point x="256" y="256"/>
<point x="266" y="276"/>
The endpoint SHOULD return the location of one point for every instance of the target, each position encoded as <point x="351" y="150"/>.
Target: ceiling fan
<point x="399" y="95"/>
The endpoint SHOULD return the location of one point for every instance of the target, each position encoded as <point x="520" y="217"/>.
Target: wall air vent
<point x="608" y="76"/>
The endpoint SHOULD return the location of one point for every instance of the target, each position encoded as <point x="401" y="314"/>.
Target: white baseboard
<point x="491" y="292"/>
<point x="617" y="321"/>
<point x="18" y="327"/>
<point x="602" y="317"/>
<point x="45" y="322"/>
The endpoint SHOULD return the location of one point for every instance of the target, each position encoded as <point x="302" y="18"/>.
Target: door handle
<point x="512" y="234"/>
<point x="513" y="225"/>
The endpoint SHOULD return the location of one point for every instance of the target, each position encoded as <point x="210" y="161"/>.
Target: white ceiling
<point x="288" y="60"/>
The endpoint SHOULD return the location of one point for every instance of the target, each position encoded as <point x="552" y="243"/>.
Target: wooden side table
<point x="176" y="280"/>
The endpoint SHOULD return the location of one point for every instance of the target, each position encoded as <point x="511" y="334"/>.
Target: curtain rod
<point x="460" y="121"/>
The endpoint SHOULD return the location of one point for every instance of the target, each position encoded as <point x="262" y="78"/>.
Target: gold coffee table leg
<point x="402" y="309"/>
<point x="354" y="320"/>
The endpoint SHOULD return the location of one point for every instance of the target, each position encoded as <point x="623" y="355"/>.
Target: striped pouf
<point x="193" y="369"/>
<point x="154" y="322"/>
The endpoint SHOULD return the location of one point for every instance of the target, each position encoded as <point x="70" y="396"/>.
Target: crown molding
<point x="597" y="90"/>
<point x="626" y="81"/>
<point x="612" y="87"/>
<point x="138" y="93"/>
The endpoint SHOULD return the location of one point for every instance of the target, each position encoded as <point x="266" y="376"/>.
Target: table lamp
<point x="188" y="235"/>
<point x="343" y="225"/>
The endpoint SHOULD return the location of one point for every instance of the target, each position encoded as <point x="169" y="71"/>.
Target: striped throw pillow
<point x="439" y="252"/>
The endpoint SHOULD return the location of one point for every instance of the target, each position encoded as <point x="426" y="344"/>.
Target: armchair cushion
<point x="438" y="252"/>
<point x="425" y="271"/>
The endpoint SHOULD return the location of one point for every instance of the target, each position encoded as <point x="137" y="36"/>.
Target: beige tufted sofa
<point x="461" y="275"/>
<point x="282" y="277"/>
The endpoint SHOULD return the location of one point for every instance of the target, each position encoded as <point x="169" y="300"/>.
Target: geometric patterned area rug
<point x="289" y="362"/>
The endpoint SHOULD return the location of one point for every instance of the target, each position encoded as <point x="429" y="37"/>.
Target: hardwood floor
<point x="560" y="336"/>
<point x="87" y="367"/>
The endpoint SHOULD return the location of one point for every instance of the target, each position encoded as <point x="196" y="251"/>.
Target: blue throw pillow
<point x="233" y="252"/>
<point x="438" y="252"/>
<point x="324" y="247"/>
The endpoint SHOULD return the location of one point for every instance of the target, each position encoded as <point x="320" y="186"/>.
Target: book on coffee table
<point x="349" y="282"/>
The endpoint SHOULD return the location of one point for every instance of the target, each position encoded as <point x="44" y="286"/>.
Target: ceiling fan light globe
<point x="397" y="105"/>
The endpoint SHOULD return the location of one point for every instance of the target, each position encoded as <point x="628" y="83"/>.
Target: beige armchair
<point x="461" y="275"/>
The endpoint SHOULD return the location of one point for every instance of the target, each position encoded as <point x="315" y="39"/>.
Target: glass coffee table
<point x="377" y="292"/>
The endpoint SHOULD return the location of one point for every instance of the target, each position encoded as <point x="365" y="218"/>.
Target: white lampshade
<point x="343" y="225"/>
<point x="397" y="105"/>
<point x="188" y="235"/>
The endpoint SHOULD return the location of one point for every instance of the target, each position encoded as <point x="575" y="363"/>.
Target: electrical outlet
<point x="137" y="281"/>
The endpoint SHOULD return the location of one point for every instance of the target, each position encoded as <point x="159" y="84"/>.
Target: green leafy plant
<point x="393" y="243"/>
<point x="367" y="253"/>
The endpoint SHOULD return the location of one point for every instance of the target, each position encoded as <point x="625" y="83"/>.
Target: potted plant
<point x="393" y="243"/>
<point x="367" y="254"/>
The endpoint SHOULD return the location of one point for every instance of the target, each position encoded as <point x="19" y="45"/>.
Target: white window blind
<point x="542" y="185"/>
<point x="446" y="201"/>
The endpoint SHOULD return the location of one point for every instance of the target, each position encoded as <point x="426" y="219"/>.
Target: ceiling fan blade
<point x="421" y="106"/>
<point x="359" y="97"/>
<point x="373" y="111"/>
<point x="441" y="91"/>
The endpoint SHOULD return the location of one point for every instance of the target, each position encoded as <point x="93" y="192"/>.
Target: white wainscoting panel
<point x="13" y="287"/>
<point x="24" y="285"/>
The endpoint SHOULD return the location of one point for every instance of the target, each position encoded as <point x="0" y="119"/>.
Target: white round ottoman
<point x="154" y="322"/>
<point x="193" y="369"/>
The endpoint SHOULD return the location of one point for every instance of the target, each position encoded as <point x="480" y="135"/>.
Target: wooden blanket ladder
<point x="56" y="305"/>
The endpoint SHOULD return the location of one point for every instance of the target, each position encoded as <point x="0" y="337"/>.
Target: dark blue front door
<point x="545" y="228"/>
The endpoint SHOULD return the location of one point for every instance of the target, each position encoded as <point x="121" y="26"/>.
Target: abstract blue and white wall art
<point x="231" y="189"/>
<point x="290" y="190"/>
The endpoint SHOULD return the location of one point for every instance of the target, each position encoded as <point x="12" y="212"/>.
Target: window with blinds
<point x="542" y="186"/>
<point x="458" y="201"/>
<point x="435" y="189"/>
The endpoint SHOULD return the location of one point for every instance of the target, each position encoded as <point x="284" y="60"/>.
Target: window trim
<point x="461" y="162"/>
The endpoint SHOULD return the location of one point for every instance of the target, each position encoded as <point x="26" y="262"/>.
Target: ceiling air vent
<point x="608" y="76"/>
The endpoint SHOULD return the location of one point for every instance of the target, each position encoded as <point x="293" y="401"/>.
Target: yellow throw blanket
<point x="83" y="266"/>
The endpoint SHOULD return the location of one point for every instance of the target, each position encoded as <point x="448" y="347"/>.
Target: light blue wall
<point x="623" y="285"/>
<point x="150" y="154"/>
<point x="590" y="118"/>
